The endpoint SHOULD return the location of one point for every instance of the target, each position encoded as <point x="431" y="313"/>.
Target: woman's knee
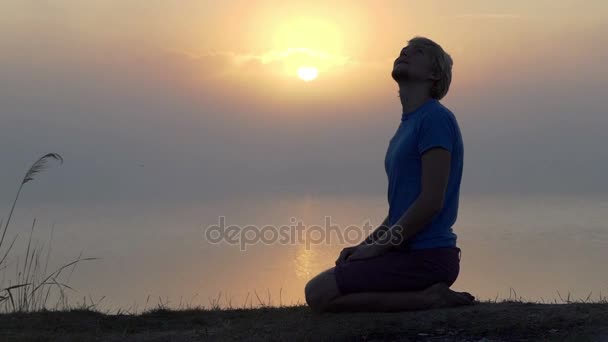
<point x="319" y="291"/>
<point x="313" y="297"/>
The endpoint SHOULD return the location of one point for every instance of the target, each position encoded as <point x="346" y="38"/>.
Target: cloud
<point x="287" y="59"/>
<point x="489" y="16"/>
<point x="108" y="113"/>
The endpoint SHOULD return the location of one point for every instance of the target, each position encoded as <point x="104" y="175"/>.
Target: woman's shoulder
<point x="440" y="109"/>
<point x="438" y="119"/>
<point x="438" y="112"/>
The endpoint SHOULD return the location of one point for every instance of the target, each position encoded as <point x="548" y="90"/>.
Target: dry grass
<point x="32" y="285"/>
<point x="506" y="320"/>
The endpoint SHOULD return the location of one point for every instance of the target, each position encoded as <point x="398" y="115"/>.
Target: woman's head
<point x="425" y="61"/>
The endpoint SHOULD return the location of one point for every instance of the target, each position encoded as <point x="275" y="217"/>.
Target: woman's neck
<point x="412" y="97"/>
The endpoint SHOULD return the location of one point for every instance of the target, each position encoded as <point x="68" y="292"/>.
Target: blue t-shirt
<point x="430" y="125"/>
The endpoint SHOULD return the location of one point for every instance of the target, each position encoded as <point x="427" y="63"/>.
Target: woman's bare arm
<point x="375" y="235"/>
<point x="435" y="176"/>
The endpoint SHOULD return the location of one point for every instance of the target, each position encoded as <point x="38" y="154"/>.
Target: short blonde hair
<point x="442" y="65"/>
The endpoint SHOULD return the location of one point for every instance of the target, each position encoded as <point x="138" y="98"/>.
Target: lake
<point x="525" y="246"/>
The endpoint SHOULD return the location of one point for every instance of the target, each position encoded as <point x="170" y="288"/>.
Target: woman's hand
<point x="345" y="254"/>
<point x="369" y="251"/>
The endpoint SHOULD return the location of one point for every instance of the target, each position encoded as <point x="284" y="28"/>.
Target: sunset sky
<point x="179" y="100"/>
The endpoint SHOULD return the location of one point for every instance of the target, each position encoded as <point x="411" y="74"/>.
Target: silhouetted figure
<point x="410" y="261"/>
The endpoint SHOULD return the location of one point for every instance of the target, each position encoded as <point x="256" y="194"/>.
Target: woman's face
<point x="413" y="64"/>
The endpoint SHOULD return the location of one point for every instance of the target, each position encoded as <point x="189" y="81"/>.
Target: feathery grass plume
<point x="33" y="282"/>
<point x="40" y="165"/>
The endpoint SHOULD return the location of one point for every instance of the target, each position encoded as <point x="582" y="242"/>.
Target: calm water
<point x="536" y="245"/>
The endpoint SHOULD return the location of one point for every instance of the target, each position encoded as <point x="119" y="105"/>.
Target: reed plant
<point x="33" y="284"/>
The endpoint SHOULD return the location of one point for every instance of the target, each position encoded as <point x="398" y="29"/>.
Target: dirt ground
<point x="507" y="321"/>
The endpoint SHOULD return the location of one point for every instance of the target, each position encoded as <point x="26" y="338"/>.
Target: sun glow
<point x="308" y="73"/>
<point x="308" y="45"/>
<point x="310" y="32"/>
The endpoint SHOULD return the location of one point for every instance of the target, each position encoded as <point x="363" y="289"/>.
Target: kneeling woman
<point x="410" y="261"/>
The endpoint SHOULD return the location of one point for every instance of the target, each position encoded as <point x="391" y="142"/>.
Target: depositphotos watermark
<point x="294" y="234"/>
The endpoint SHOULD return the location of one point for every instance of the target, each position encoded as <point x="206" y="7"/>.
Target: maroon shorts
<point x="399" y="270"/>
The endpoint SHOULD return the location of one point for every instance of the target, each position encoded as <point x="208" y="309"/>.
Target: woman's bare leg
<point x="322" y="294"/>
<point x="436" y="296"/>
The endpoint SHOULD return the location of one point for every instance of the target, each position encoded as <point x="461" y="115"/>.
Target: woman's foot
<point x="466" y="294"/>
<point x="442" y="296"/>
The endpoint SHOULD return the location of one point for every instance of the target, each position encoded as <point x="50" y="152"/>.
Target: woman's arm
<point x="434" y="181"/>
<point x="435" y="176"/>
<point x="377" y="233"/>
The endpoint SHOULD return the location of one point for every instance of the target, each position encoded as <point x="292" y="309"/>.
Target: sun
<point x="307" y="73"/>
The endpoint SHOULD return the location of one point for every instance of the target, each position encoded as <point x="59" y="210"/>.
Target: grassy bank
<point x="486" y="321"/>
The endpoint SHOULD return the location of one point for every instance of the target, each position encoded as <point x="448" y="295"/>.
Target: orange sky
<point x="217" y="70"/>
<point x="351" y="43"/>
